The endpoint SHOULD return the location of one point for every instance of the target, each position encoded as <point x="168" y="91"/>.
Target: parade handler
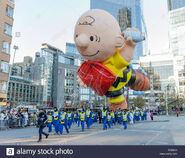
<point x="99" y="40"/>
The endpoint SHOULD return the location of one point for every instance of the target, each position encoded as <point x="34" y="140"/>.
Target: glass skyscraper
<point x="175" y="4"/>
<point x="177" y="26"/>
<point x="128" y="13"/>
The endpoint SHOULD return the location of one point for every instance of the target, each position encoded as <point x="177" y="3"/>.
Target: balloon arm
<point x="81" y="83"/>
<point x="127" y="50"/>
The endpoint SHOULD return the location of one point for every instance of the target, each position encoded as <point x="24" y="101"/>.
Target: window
<point x="4" y="67"/>
<point x="3" y="86"/>
<point x="8" y="29"/>
<point x="124" y="18"/>
<point x="6" y="47"/>
<point x="9" y="11"/>
<point x="61" y="59"/>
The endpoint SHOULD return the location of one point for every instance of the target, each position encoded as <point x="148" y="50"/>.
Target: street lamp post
<point x="166" y="101"/>
<point x="15" y="49"/>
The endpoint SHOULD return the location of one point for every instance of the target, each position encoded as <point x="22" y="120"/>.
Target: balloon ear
<point x="119" y="41"/>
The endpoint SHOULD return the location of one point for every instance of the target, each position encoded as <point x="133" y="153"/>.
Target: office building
<point x="177" y="31"/>
<point x="128" y="14"/>
<point x="6" y="23"/>
<point x="58" y="77"/>
<point x="23" y="92"/>
<point x="22" y="68"/>
<point x="83" y="96"/>
<point x="175" y="4"/>
<point x="168" y="74"/>
<point x="49" y="55"/>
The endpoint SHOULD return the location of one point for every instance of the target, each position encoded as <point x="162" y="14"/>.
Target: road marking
<point x="153" y="138"/>
<point x="69" y="138"/>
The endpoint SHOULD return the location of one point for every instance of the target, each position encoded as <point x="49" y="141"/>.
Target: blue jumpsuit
<point x="125" y="118"/>
<point x="75" y="118"/>
<point x="134" y="116"/>
<point x="70" y="119"/>
<point x="104" y="119"/>
<point x="56" y="118"/>
<point x="128" y="116"/>
<point x="109" y="120"/>
<point x="137" y="116"/>
<point x="89" y="115"/>
<point x="78" y="119"/>
<point x="82" y="118"/>
<point x="94" y="117"/>
<point x="113" y="118"/>
<point x="119" y="115"/>
<point x="63" y="123"/>
<point x="142" y="116"/>
<point x="50" y="119"/>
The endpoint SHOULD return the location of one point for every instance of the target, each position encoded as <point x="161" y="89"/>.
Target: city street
<point x="162" y="131"/>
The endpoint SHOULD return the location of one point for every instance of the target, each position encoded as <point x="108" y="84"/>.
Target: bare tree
<point x="139" y="102"/>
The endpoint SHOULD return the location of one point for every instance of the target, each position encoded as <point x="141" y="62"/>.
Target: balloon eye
<point x="76" y="36"/>
<point x="91" y="38"/>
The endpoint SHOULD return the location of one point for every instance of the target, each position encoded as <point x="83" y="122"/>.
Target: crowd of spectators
<point x="17" y="118"/>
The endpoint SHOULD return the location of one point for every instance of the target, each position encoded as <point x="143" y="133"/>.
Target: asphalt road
<point x="162" y="131"/>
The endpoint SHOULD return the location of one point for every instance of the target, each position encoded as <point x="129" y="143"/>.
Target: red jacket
<point x="151" y="115"/>
<point x="96" y="76"/>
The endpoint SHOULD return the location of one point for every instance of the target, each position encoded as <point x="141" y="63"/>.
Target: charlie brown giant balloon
<point x="98" y="38"/>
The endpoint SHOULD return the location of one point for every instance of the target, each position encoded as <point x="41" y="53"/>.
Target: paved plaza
<point x="162" y="131"/>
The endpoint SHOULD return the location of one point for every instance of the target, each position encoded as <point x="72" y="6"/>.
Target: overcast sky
<point x="53" y="21"/>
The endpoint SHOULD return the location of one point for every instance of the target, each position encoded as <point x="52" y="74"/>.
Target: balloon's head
<point x="97" y="35"/>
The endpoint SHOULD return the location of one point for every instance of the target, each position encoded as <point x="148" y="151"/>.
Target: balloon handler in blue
<point x="104" y="118"/>
<point x="89" y="116"/>
<point x="79" y="118"/>
<point x="109" y="120"/>
<point x="125" y="118"/>
<point x="63" y="122"/>
<point x="113" y="118"/>
<point x="108" y="53"/>
<point x="56" y="117"/>
<point x="50" y="120"/>
<point x="82" y="118"/>
<point x="75" y="117"/>
<point x="94" y="117"/>
<point x="69" y="119"/>
<point x="119" y="116"/>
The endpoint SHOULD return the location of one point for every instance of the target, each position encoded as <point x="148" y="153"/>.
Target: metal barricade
<point x="16" y="123"/>
<point x="3" y="124"/>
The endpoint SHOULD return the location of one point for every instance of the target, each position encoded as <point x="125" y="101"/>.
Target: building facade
<point x="177" y="31"/>
<point x="59" y="78"/>
<point x="175" y="4"/>
<point x="23" y="92"/>
<point x="48" y="53"/>
<point x="6" y="23"/>
<point x="128" y="14"/>
<point x="80" y="96"/>
<point x="176" y="10"/>
<point x="22" y="68"/>
<point x="168" y="74"/>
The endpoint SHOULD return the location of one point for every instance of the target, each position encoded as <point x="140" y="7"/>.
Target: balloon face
<point x="97" y="35"/>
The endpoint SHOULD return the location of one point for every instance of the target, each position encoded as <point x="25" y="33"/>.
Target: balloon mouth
<point x="92" y="54"/>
